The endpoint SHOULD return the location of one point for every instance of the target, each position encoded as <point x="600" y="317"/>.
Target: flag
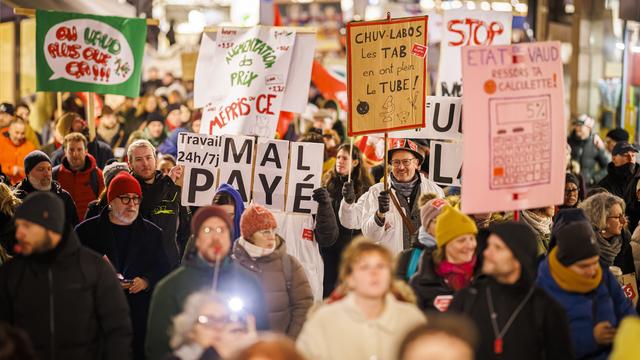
<point x="329" y="85"/>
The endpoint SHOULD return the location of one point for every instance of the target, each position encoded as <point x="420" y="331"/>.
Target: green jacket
<point x="196" y="274"/>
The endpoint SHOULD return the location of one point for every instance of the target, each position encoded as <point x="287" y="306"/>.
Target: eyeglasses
<point x="404" y="162"/>
<point x="267" y="232"/>
<point x="126" y="200"/>
<point x="621" y="218"/>
<point x="217" y="230"/>
<point x="569" y="191"/>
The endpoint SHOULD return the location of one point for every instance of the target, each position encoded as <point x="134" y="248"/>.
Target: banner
<point x="386" y="69"/>
<point x="79" y="52"/>
<point x="250" y="67"/>
<point x="515" y="136"/>
<point x="464" y="27"/>
<point x="445" y="163"/>
<point x="444" y="120"/>
<point x="305" y="171"/>
<point x="236" y="163"/>
<point x="270" y="174"/>
<point x="199" y="154"/>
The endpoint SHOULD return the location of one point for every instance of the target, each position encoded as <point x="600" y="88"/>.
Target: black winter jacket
<point x="69" y="301"/>
<point x="588" y="156"/>
<point x="143" y="257"/>
<point x="161" y="205"/>
<point x="618" y="180"/>
<point x="24" y="188"/>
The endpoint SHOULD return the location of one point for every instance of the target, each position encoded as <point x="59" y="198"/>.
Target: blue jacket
<point x="170" y="144"/>
<point x="226" y="188"/>
<point x="606" y="303"/>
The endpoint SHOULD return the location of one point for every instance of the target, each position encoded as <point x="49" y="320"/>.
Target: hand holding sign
<point x="348" y="194"/>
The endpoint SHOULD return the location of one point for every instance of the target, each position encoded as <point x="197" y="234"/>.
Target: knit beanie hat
<point x="122" y="184"/>
<point x="110" y="171"/>
<point x="563" y="218"/>
<point x="430" y="211"/>
<point x="576" y="242"/>
<point x="618" y="134"/>
<point x="523" y="244"/>
<point x="256" y="218"/>
<point x="451" y="224"/>
<point x="33" y="159"/>
<point x="43" y="208"/>
<point x="208" y="212"/>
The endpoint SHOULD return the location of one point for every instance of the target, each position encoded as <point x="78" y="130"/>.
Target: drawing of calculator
<point x="520" y="141"/>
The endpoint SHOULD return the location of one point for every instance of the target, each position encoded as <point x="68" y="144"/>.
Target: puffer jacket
<point x="606" y="303"/>
<point x="288" y="295"/>
<point x="361" y="215"/>
<point x="79" y="183"/>
<point x="24" y="188"/>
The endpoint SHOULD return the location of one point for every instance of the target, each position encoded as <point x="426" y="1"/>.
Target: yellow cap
<point x="452" y="223"/>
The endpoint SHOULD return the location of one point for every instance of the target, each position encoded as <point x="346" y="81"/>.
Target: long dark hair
<point x="359" y="175"/>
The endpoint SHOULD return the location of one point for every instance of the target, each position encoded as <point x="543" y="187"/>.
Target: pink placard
<point x="513" y="127"/>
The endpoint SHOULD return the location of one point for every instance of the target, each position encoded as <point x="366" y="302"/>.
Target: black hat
<point x="7" y="108"/>
<point x="406" y="145"/>
<point x="563" y="218"/>
<point x="171" y="107"/>
<point x="570" y="178"/>
<point x="622" y="147"/>
<point x="576" y="242"/>
<point x="618" y="134"/>
<point x="43" y="208"/>
<point x="155" y="116"/>
<point x="33" y="159"/>
<point x="523" y="244"/>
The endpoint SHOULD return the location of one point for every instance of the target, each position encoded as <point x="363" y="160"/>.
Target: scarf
<point x="458" y="276"/>
<point x="253" y="250"/>
<point x="609" y="248"/>
<point x="568" y="279"/>
<point x="404" y="189"/>
<point x="541" y="224"/>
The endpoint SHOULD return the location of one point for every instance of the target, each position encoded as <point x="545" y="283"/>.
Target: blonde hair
<point x="8" y="200"/>
<point x="140" y="143"/>
<point x="74" y="137"/>
<point x="359" y="247"/>
<point x="184" y="322"/>
<point x="598" y="207"/>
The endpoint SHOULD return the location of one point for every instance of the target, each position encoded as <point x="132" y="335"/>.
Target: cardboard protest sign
<point x="188" y="62"/>
<point x="514" y="138"/>
<point x="236" y="163"/>
<point x="630" y="287"/>
<point x="250" y="68"/>
<point x="464" y="27"/>
<point x="199" y="154"/>
<point x="269" y="178"/>
<point x="79" y="52"/>
<point x="444" y="120"/>
<point x="445" y="163"/>
<point x="387" y="81"/>
<point x="305" y="170"/>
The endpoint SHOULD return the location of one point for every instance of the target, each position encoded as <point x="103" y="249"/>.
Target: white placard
<point x="305" y="170"/>
<point x="445" y="163"/>
<point x="236" y="159"/>
<point x="270" y="173"/>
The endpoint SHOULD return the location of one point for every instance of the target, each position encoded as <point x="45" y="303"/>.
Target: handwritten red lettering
<point x="57" y="50"/>
<point x="474" y="31"/>
<point x="65" y="33"/>
<point x="265" y="109"/>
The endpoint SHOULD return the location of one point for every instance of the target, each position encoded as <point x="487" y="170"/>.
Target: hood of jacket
<point x="89" y="164"/>
<point x="25" y="187"/>
<point x="239" y="207"/>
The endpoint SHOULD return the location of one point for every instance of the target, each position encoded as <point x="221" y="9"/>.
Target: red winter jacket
<point x="79" y="183"/>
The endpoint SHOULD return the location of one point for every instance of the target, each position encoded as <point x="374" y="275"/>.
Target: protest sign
<point x="630" y="287"/>
<point x="296" y="94"/>
<point x="79" y="52"/>
<point x="514" y="139"/>
<point x="444" y="120"/>
<point x="445" y="163"/>
<point x="387" y="81"/>
<point x="236" y="163"/>
<point x="188" y="62"/>
<point x="251" y="67"/>
<point x="305" y="170"/>
<point x="199" y="154"/>
<point x="464" y="27"/>
<point x="270" y="174"/>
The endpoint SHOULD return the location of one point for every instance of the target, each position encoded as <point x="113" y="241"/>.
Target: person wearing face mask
<point x="369" y="323"/>
<point x="451" y="266"/>
<point x="132" y="245"/>
<point x="592" y="298"/>
<point x="621" y="170"/>
<point x="262" y="251"/>
<point x="211" y="267"/>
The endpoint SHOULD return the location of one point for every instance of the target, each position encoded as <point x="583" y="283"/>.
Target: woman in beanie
<point x="262" y="251"/>
<point x="369" y="323"/>
<point x="573" y="193"/>
<point x="592" y="298"/>
<point x="452" y="265"/>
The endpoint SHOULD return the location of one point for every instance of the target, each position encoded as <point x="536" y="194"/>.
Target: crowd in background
<point x="100" y="259"/>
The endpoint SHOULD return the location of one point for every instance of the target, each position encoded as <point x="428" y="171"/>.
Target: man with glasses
<point x="132" y="245"/>
<point x="392" y="218"/>
<point x="211" y="268"/>
<point x="621" y="170"/>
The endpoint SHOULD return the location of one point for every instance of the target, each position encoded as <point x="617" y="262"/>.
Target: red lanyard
<point x="499" y="334"/>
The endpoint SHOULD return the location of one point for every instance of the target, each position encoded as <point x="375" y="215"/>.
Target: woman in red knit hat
<point x="283" y="279"/>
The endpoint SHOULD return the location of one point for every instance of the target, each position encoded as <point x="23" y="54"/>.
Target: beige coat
<point x="340" y="331"/>
<point x="287" y="309"/>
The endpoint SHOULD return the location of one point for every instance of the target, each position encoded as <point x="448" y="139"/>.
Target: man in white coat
<point x="378" y="213"/>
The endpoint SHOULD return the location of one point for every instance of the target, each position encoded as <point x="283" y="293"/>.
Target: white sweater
<point x="340" y="331"/>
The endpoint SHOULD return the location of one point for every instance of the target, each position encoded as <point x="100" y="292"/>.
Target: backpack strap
<point x="93" y="180"/>
<point x="286" y="268"/>
<point x="407" y="223"/>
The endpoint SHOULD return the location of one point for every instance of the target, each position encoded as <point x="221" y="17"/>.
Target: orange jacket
<point x="13" y="156"/>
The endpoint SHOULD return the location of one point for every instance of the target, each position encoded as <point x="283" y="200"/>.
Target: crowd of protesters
<point x="99" y="259"/>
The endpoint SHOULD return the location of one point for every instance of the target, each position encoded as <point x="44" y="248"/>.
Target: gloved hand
<point x="321" y="196"/>
<point x="348" y="194"/>
<point x="383" y="202"/>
